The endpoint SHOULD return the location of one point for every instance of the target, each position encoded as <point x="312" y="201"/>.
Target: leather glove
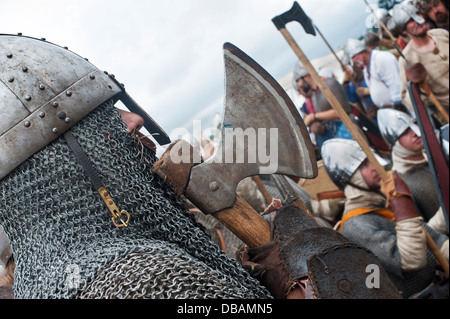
<point x="305" y="260"/>
<point x="416" y="73"/>
<point x="399" y="197"/>
<point x="264" y="263"/>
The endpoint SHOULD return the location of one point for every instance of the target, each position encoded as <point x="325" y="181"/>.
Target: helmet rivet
<point x="214" y="186"/>
<point x="9" y="55"/>
<point x="62" y="115"/>
<point x="55" y="130"/>
<point x="55" y="104"/>
<point x="92" y="76"/>
<point x="11" y="79"/>
<point x="42" y="87"/>
<point x="28" y="98"/>
<point x="25" y="69"/>
<point x="42" y="115"/>
<point x="27" y="123"/>
<point x="69" y="93"/>
<point x="67" y="120"/>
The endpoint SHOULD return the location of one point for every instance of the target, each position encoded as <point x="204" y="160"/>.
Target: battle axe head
<point x="296" y="13"/>
<point x="262" y="133"/>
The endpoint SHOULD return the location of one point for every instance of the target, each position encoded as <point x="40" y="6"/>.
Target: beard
<point x="306" y="87"/>
<point x="441" y="17"/>
<point x="419" y="31"/>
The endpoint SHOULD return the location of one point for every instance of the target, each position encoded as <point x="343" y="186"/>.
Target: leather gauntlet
<point x="305" y="260"/>
<point x="264" y="264"/>
<point x="399" y="197"/>
<point x="416" y="73"/>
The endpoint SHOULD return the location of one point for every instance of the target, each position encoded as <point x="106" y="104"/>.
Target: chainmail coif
<point x="66" y="246"/>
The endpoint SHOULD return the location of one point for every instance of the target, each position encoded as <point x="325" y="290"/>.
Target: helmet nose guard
<point x="45" y="89"/>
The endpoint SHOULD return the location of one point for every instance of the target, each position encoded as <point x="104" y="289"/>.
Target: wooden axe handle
<point x="267" y="197"/>
<point x="436" y="252"/>
<point x="243" y="221"/>
<point x="345" y="118"/>
<point x="433" y="98"/>
<point x="343" y="68"/>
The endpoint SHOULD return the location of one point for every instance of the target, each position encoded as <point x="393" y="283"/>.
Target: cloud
<point x="169" y="54"/>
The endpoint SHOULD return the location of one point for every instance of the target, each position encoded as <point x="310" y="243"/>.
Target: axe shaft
<point x="332" y="51"/>
<point x="436" y="252"/>
<point x="342" y="66"/>
<point x="335" y="104"/>
<point x="433" y="98"/>
<point x="245" y="223"/>
<point x="267" y="197"/>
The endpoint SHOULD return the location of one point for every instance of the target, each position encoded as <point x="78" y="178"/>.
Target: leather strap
<point x="84" y="161"/>
<point x="97" y="182"/>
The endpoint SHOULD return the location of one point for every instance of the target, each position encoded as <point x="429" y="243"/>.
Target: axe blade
<point x="266" y="127"/>
<point x="296" y="13"/>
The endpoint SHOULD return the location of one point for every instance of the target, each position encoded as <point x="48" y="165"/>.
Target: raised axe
<point x="298" y="14"/>
<point x="294" y="14"/>
<point x="310" y="27"/>
<point x="280" y="22"/>
<point x="254" y="104"/>
<point x="423" y="85"/>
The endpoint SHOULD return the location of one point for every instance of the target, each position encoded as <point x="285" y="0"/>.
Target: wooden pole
<point x="345" y="118"/>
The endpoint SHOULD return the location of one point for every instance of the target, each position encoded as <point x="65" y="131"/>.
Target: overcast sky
<point x="169" y="53"/>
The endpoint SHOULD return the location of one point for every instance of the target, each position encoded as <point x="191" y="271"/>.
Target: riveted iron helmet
<point x="341" y="159"/>
<point x="354" y="47"/>
<point x="45" y="89"/>
<point x="404" y="12"/>
<point x="299" y="72"/>
<point x="394" y="123"/>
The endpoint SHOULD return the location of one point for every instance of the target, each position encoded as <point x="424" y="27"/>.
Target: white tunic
<point x="383" y="78"/>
